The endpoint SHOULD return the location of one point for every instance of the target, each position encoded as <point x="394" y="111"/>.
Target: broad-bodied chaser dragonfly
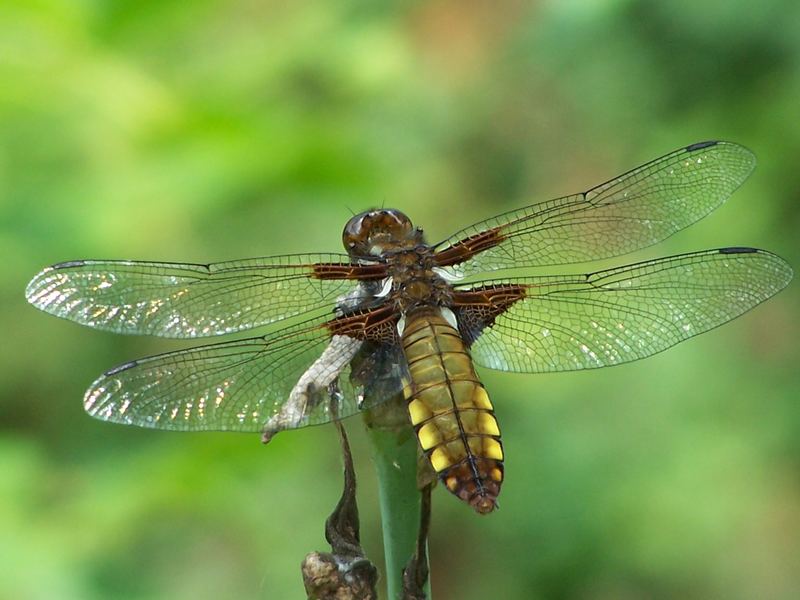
<point x="398" y="315"/>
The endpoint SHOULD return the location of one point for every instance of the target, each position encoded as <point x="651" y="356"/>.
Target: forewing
<point x="564" y="323"/>
<point x="187" y="300"/>
<point x="632" y="211"/>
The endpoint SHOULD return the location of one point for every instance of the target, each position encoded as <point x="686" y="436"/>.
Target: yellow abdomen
<point x="451" y="411"/>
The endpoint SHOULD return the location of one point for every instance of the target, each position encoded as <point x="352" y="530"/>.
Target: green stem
<point x="394" y="450"/>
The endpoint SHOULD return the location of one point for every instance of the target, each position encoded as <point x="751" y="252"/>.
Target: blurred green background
<point x="208" y="131"/>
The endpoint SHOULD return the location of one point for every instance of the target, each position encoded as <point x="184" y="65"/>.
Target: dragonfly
<point x="397" y="317"/>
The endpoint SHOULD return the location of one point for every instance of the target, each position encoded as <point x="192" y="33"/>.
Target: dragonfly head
<point x="373" y="232"/>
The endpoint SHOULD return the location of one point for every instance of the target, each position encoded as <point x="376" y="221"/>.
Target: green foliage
<point x="216" y="130"/>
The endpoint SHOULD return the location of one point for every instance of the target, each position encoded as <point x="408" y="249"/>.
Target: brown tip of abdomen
<point x="476" y="481"/>
<point x="483" y="504"/>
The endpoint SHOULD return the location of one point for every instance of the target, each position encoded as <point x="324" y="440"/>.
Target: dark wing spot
<point x="701" y="145"/>
<point x="69" y="264"/>
<point x="120" y="368"/>
<point x="737" y="250"/>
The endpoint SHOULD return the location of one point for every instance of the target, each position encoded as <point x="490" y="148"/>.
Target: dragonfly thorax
<point x="415" y="282"/>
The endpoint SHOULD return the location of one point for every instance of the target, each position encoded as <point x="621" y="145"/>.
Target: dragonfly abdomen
<point x="451" y="411"/>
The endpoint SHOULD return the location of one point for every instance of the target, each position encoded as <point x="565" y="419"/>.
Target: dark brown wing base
<point x="478" y="308"/>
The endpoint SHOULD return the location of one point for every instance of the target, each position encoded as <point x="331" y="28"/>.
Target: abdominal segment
<point x="451" y="411"/>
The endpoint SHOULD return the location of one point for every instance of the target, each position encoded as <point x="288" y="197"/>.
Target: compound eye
<point x="356" y="231"/>
<point x="372" y="231"/>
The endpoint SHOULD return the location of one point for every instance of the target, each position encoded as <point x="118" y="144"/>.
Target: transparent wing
<point x="188" y="300"/>
<point x="624" y="314"/>
<point x="632" y="211"/>
<point x="283" y="380"/>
